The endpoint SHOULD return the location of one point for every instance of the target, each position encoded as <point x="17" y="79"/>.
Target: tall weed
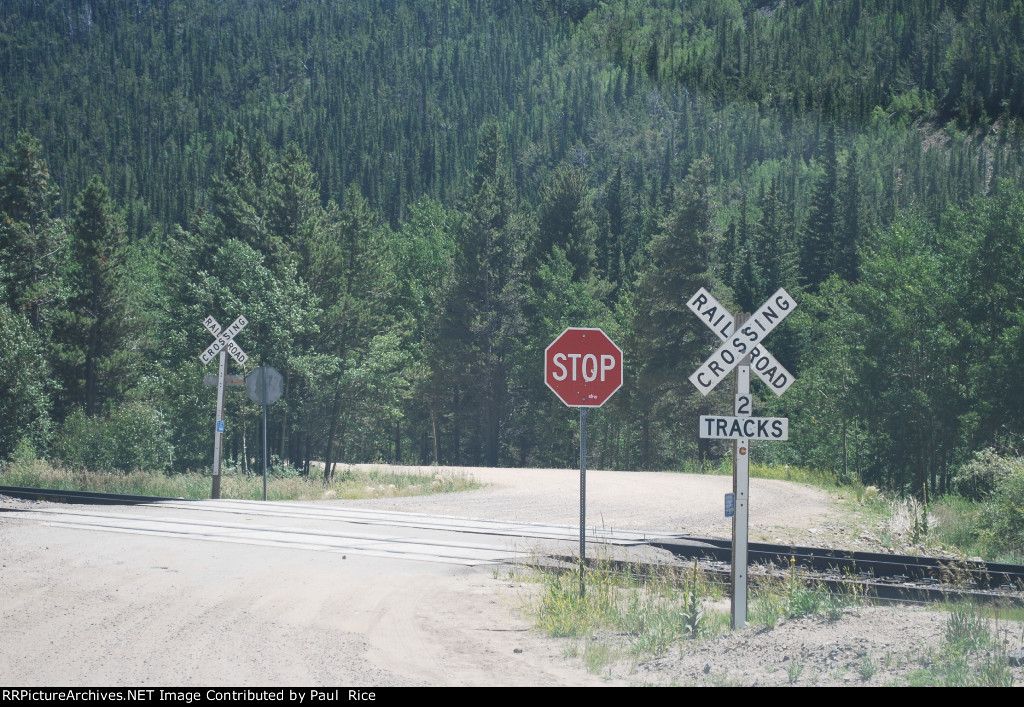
<point x="972" y="654"/>
<point x="793" y="596"/>
<point x="650" y="614"/>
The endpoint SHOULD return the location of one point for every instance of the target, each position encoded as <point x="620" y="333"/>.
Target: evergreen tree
<point x="850" y="231"/>
<point x="568" y="220"/>
<point x="484" y="321"/>
<point x="94" y="317"/>
<point x="776" y="245"/>
<point x="348" y="273"/>
<point x="244" y="195"/>
<point x="818" y="247"/>
<point x="33" y="241"/>
<point x="664" y="335"/>
<point x="987" y="243"/>
<point x="614" y="254"/>
<point x="26" y="384"/>
<point x="743" y="270"/>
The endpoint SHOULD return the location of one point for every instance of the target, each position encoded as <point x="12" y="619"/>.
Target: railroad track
<point x="879" y="575"/>
<point x="63" y="496"/>
<point x="876" y="575"/>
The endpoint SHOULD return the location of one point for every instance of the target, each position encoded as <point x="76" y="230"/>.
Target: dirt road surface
<point x="86" y="608"/>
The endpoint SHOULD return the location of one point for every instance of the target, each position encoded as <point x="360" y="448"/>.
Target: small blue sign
<point x="220" y="426"/>
<point x="730" y="505"/>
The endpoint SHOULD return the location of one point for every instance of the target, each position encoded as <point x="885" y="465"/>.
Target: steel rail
<point x="63" y="495"/>
<point x="866" y="565"/>
<point x="900" y="590"/>
<point x="880" y="575"/>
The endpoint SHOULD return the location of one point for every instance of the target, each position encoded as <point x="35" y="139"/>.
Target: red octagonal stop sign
<point x="583" y="367"/>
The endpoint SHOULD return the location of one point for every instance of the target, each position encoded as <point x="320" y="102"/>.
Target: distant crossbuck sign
<point x="225" y="340"/>
<point x="736" y="345"/>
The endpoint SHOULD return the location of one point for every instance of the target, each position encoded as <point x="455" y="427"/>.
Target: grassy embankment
<point x="982" y="516"/>
<point x="288" y="486"/>
<point x="622" y="620"/>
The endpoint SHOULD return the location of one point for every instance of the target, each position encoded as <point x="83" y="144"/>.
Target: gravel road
<point x="86" y="608"/>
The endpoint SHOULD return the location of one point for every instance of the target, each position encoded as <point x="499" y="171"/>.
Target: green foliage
<point x="286" y="486"/>
<point x="654" y="613"/>
<point x="773" y="600"/>
<point x="866" y="668"/>
<point x="979" y="477"/>
<point x="133" y="437"/>
<point x="793" y="671"/>
<point x="409" y="200"/>
<point x="1002" y="517"/>
<point x="972" y="654"/>
<point x="26" y="384"/>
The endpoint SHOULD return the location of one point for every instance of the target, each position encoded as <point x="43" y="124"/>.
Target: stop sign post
<point x="264" y="386"/>
<point x="583" y="367"/>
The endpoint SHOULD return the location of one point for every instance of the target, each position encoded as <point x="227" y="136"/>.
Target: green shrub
<point x="25" y="385"/>
<point x="979" y="477"/>
<point x="1002" y="517"/>
<point x="971" y="654"/>
<point x="774" y="599"/>
<point x="132" y="437"/>
<point x="956" y="522"/>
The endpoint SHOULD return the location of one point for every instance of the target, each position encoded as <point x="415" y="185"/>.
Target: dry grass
<point x="367" y="481"/>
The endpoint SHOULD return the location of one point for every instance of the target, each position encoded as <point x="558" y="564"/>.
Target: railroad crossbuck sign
<point x="223" y="343"/>
<point x="720" y="320"/>
<point x="225" y="340"/>
<point x="741" y="349"/>
<point x="738" y="344"/>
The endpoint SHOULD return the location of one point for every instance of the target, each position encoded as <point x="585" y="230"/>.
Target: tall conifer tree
<point x="818" y="245"/>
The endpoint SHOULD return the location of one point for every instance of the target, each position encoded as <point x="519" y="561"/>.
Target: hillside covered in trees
<point x="410" y="199"/>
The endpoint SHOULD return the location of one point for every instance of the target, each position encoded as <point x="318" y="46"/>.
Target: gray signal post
<point x="223" y="344"/>
<point x="741" y="349"/>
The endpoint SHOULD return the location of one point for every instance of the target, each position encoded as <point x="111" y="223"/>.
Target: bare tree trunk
<point x="645" y="440"/>
<point x="437" y="444"/>
<point x="284" y="419"/>
<point x="846" y="470"/>
<point x="328" y="457"/>
<point x="398" y="442"/>
<point x="629" y="441"/>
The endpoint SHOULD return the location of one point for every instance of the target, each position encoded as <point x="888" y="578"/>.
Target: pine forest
<point x="410" y="199"/>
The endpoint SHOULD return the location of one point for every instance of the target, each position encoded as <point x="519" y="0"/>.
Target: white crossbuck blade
<point x="737" y="345"/>
<point x="225" y="340"/>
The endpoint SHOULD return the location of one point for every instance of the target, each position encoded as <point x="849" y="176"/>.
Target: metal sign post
<point x="222" y="344"/>
<point x="264" y="386"/>
<point x="741" y="491"/>
<point x="218" y="435"/>
<point x="583" y="367"/>
<point x="583" y="496"/>
<point x="741" y="349"/>
<point x="263" y="389"/>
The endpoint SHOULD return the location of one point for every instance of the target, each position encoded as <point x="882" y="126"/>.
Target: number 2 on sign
<point x="743" y="405"/>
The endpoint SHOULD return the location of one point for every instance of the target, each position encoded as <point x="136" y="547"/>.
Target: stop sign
<point x="583" y="367"/>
